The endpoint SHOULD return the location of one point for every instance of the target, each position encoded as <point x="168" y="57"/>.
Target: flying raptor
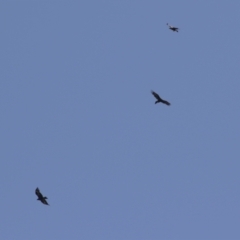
<point x="159" y="99"/>
<point x="175" y="29"/>
<point x="41" y="197"/>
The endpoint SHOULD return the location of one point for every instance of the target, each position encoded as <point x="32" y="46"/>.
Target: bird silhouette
<point x="175" y="29"/>
<point x="160" y="99"/>
<point x="41" y="197"/>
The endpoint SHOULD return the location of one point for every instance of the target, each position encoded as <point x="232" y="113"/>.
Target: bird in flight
<point x="41" y="197"/>
<point x="159" y="99"/>
<point x="175" y="29"/>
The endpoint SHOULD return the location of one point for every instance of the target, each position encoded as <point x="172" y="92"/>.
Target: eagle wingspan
<point x="159" y="99"/>
<point x="40" y="197"/>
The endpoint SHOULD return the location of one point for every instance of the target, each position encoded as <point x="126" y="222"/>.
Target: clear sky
<point x="78" y="120"/>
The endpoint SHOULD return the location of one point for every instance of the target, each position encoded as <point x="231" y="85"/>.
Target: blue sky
<point x="79" y="122"/>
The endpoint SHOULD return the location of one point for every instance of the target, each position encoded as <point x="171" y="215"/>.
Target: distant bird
<point x="159" y="99"/>
<point x="40" y="197"/>
<point x="175" y="29"/>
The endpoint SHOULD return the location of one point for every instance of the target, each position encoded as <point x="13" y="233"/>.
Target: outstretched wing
<point x="156" y="96"/>
<point x="166" y="102"/>
<point x="44" y="201"/>
<point x="38" y="193"/>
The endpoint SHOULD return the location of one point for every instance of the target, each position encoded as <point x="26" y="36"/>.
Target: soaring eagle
<point x="159" y="99"/>
<point x="175" y="29"/>
<point x="41" y="197"/>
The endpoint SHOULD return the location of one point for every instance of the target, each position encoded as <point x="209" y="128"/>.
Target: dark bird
<point x="175" y="29"/>
<point x="159" y="99"/>
<point x="41" y="197"/>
